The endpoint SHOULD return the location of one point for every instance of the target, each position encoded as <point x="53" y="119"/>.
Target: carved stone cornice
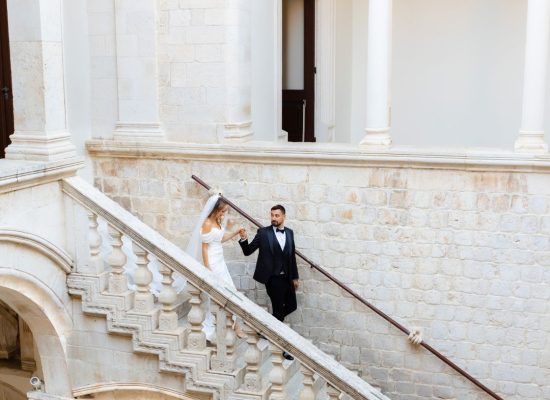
<point x="327" y="154"/>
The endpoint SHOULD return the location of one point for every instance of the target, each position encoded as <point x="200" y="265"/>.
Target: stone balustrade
<point x="234" y="368"/>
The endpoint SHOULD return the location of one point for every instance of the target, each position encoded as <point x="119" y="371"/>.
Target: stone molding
<point x="37" y="395"/>
<point x="138" y="131"/>
<point x="328" y="154"/>
<point x="19" y="174"/>
<point x="254" y="316"/>
<point x="127" y="386"/>
<point x="40" y="146"/>
<point x="37" y="243"/>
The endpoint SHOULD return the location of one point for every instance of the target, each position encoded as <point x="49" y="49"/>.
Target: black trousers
<point x="280" y="293"/>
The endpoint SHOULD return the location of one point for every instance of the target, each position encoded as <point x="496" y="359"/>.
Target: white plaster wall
<point x="264" y="119"/>
<point x="343" y="69"/>
<point x="103" y="72"/>
<point x="457" y="72"/>
<point x="360" y="14"/>
<point x="38" y="210"/>
<point x="78" y="88"/>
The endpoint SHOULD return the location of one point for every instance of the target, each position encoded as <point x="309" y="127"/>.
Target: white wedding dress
<point x="218" y="266"/>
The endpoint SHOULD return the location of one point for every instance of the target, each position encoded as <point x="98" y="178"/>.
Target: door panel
<point x="6" y="98"/>
<point x="299" y="58"/>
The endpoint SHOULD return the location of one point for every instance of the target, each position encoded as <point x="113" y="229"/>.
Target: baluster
<point x="196" y="339"/>
<point x="307" y="392"/>
<point x="333" y="393"/>
<point x="168" y="318"/>
<point x="143" y="299"/>
<point x="117" y="261"/>
<point x="225" y="356"/>
<point x="94" y="240"/>
<point x="252" y="378"/>
<point x="223" y="359"/>
<point x="277" y="374"/>
<point x="230" y="341"/>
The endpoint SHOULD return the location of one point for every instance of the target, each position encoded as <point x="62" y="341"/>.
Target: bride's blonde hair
<point x="220" y="203"/>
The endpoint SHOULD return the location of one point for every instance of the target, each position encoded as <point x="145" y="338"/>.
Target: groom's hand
<point x="296" y="283"/>
<point x="242" y="234"/>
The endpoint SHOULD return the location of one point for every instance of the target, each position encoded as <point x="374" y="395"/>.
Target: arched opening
<point x="17" y="355"/>
<point x="35" y="304"/>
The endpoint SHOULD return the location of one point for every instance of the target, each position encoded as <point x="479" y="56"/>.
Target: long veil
<point x="195" y="244"/>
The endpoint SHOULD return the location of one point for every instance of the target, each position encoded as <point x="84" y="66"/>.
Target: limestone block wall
<point x="198" y="92"/>
<point x="464" y="255"/>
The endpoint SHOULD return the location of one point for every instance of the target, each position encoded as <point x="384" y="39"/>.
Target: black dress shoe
<point x="287" y="356"/>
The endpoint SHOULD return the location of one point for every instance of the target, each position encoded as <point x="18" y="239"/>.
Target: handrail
<point x="363" y="300"/>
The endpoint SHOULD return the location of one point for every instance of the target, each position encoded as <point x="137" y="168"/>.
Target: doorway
<point x="298" y="106"/>
<point x="6" y="98"/>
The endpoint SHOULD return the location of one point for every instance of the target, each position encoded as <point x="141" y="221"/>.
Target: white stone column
<point x="531" y="134"/>
<point x="326" y="69"/>
<point x="36" y="50"/>
<point x="137" y="71"/>
<point x="379" y="75"/>
<point x="238" y="93"/>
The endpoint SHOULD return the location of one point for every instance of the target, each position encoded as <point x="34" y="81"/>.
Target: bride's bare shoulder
<point x="206" y="226"/>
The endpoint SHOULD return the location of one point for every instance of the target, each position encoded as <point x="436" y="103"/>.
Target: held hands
<point x="242" y="234"/>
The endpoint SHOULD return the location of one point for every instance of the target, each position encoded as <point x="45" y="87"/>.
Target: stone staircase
<point x="170" y="325"/>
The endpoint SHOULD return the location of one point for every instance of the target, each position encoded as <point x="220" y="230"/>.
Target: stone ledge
<point x="328" y="154"/>
<point x="20" y="174"/>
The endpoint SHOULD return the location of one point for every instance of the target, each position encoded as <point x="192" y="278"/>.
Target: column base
<point x="531" y="142"/>
<point x="282" y="137"/>
<point x="40" y="146"/>
<point x="376" y="139"/>
<point x="138" y="132"/>
<point x="238" y="132"/>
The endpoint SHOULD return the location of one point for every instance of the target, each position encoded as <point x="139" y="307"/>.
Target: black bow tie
<point x="281" y="230"/>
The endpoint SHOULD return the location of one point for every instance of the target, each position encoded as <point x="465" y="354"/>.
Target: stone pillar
<point x="137" y="71"/>
<point x="531" y="134"/>
<point x="238" y="93"/>
<point x="36" y="50"/>
<point x="26" y="344"/>
<point x="379" y="75"/>
<point x="326" y="69"/>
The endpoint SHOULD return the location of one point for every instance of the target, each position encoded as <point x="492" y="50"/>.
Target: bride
<point x="206" y="240"/>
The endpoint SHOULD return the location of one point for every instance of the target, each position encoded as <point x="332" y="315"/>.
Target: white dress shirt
<point x="281" y="237"/>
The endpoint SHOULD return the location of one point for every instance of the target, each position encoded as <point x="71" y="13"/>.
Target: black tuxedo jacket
<point x="265" y="240"/>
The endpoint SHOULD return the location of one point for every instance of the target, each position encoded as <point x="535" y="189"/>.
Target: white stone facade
<point x="428" y="195"/>
<point x="461" y="254"/>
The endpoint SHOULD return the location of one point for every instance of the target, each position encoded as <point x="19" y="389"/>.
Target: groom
<point x="276" y="265"/>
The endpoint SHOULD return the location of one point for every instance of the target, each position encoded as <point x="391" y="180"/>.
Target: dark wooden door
<point x="6" y="98"/>
<point x="299" y="104"/>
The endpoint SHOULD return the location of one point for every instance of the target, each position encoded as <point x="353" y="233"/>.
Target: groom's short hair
<point x="278" y="207"/>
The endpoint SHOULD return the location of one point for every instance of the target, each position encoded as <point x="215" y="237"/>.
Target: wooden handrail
<point x="362" y="300"/>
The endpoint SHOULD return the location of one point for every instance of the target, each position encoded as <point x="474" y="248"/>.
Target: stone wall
<point x="463" y="255"/>
<point x="204" y="67"/>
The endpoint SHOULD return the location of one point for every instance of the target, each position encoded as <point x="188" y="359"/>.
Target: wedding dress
<point x="215" y="258"/>
<point x="218" y="267"/>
